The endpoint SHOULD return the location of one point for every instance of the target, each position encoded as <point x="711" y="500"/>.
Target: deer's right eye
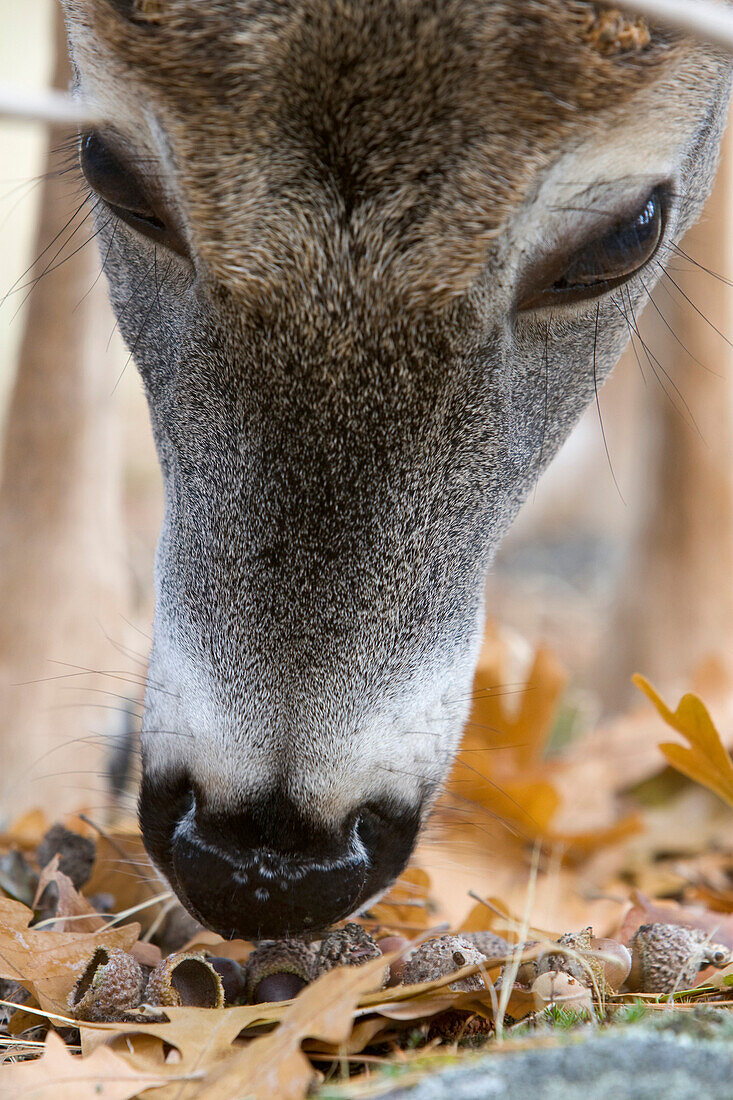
<point x="606" y="260"/>
<point x="124" y="193"/>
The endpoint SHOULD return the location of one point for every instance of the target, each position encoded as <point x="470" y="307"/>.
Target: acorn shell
<point x="185" y="978"/>
<point x="488" y="943"/>
<point x="291" y="962"/>
<point x="109" y="988"/>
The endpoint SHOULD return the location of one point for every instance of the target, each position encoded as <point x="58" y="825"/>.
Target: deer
<point x="372" y="259"/>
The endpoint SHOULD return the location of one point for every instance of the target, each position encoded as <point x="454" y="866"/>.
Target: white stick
<point x="47" y="106"/>
<point x="706" y="20"/>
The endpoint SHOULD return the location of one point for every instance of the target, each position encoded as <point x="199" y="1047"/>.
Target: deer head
<point x="372" y="258"/>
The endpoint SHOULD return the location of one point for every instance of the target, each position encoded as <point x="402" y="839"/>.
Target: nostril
<point x="164" y="801"/>
<point x="368" y="828"/>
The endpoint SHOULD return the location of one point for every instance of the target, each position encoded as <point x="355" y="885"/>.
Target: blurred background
<point x="621" y="561"/>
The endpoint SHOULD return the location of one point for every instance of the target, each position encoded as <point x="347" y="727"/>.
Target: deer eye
<point x="601" y="263"/>
<point x="124" y="192"/>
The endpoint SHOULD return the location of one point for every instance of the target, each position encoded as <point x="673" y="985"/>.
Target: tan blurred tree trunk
<point x="62" y="576"/>
<point x="676" y="601"/>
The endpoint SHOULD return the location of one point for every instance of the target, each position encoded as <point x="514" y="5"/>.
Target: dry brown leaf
<point x="59" y="1075"/>
<point x="49" y="962"/>
<point x="500" y="765"/>
<point x="706" y="761"/>
<point x="275" y="1066"/>
<point x="70" y="903"/>
<point x="122" y="868"/>
<point x="646" y="911"/>
<point x="407" y="904"/>
<point x="197" y="1033"/>
<point x="239" y="950"/>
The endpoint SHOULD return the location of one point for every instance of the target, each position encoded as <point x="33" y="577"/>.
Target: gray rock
<point x="620" y="1065"/>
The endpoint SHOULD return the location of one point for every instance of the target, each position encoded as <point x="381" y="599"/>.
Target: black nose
<point x="267" y="871"/>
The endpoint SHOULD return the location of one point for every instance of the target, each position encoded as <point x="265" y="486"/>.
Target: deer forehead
<point x="314" y="143"/>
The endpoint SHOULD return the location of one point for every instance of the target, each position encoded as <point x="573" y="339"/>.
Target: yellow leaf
<point x="707" y="760"/>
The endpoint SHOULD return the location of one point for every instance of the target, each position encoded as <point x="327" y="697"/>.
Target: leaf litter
<point x="611" y="911"/>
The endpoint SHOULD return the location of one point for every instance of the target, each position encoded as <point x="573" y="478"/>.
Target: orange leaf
<point x="707" y="760"/>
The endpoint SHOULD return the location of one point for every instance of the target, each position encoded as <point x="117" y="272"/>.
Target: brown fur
<point x="346" y="113"/>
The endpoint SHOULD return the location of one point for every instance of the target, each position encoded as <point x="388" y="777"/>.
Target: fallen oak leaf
<point x="70" y="903"/>
<point x="189" y="1029"/>
<point x="274" y="1065"/>
<point x="26" y="831"/>
<point x="707" y="760"/>
<point x="407" y="904"/>
<point x="48" y="963"/>
<point x="60" y="1075"/>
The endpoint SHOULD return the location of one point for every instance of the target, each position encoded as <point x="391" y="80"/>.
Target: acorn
<point x="185" y="978"/>
<point x="388" y="944"/>
<point x="557" y="987"/>
<point x="232" y="976"/>
<point x="110" y="987"/>
<point x="351" y="945"/>
<point x="527" y="970"/>
<point x="616" y="960"/>
<point x="76" y="853"/>
<point x="586" y="969"/>
<point x="278" y="969"/>
<point x="444" y="955"/>
<point x="666" y="957"/>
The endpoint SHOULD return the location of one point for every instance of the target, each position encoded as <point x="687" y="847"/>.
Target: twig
<point x="49" y="106"/>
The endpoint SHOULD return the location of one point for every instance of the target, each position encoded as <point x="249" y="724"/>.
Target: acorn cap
<point x="666" y="957"/>
<point x="351" y="945"/>
<point x="585" y="969"/>
<point x="444" y="955"/>
<point x="109" y="988"/>
<point x="488" y="943"/>
<point x="185" y="978"/>
<point x="76" y="853"/>
<point x="291" y="961"/>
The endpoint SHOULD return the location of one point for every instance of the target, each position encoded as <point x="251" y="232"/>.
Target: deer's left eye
<point x="601" y="263"/>
<point x="125" y="192"/>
